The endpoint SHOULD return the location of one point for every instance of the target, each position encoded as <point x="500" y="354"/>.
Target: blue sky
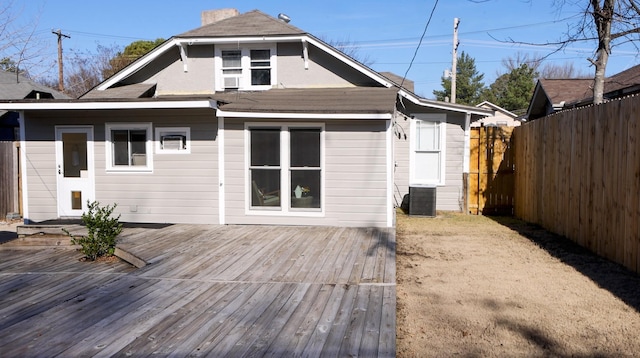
<point x="387" y="32"/>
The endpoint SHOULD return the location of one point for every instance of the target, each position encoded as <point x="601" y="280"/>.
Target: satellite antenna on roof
<point x="284" y="17"/>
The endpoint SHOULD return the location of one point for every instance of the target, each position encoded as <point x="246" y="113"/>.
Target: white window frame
<point x="109" y="147"/>
<point x="245" y="78"/>
<point x="441" y="120"/>
<point x="285" y="208"/>
<point x="165" y="131"/>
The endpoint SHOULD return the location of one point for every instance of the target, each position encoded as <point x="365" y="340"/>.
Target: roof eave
<point x="100" y="105"/>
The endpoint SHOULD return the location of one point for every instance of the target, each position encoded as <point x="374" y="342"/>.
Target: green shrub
<point x="102" y="231"/>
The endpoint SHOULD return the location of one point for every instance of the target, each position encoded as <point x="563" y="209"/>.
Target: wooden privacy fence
<point x="491" y="178"/>
<point x="578" y="175"/>
<point x="9" y="196"/>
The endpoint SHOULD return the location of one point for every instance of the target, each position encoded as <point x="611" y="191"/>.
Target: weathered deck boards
<point x="207" y="291"/>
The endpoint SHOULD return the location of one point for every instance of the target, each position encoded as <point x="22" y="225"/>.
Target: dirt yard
<point x="473" y="286"/>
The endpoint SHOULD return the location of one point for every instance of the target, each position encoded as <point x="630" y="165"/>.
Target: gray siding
<point x="355" y="176"/>
<point x="450" y="196"/>
<point x="199" y="78"/>
<point x="183" y="188"/>
<point x="324" y="70"/>
<point x="168" y="73"/>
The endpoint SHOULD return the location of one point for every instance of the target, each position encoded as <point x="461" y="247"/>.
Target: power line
<point x="419" y="43"/>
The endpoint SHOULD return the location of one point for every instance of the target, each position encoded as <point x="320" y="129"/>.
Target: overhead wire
<point x="424" y="32"/>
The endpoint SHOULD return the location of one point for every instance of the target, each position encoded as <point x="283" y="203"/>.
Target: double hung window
<point x="245" y="68"/>
<point x="427" y="150"/>
<point x="285" y="168"/>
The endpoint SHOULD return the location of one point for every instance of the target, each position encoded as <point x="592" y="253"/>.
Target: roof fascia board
<point x="240" y="39"/>
<point x="349" y="61"/>
<point x="269" y="115"/>
<point x="109" y="105"/>
<point x="445" y="106"/>
<point x="134" y="67"/>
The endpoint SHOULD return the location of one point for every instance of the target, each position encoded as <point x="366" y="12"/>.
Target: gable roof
<point x="495" y="107"/>
<point x="552" y="95"/>
<point x="252" y="23"/>
<point x="22" y="87"/>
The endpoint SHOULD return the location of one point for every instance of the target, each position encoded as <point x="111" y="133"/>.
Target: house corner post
<point x="465" y="163"/>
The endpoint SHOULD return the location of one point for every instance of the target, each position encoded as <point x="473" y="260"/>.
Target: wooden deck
<point x="206" y="291"/>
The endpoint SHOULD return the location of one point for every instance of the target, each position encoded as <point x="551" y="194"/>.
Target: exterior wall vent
<point x="422" y="200"/>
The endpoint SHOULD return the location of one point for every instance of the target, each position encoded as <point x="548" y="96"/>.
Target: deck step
<point x="37" y="237"/>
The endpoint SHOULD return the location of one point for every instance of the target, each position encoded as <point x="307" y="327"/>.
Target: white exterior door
<point x="74" y="169"/>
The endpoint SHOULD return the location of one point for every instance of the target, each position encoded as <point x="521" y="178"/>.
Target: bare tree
<point x="87" y="69"/>
<point x="609" y="23"/>
<point x="20" y="45"/>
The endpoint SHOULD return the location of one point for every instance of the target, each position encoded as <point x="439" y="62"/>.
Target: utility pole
<point x="60" y="73"/>
<point x="454" y="64"/>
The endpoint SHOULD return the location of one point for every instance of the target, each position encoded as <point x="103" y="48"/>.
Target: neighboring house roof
<point x="252" y="23"/>
<point x="551" y="95"/>
<point x="20" y="87"/>
<point x="495" y="107"/>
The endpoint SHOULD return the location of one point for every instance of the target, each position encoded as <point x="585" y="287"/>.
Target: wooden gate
<point x="491" y="171"/>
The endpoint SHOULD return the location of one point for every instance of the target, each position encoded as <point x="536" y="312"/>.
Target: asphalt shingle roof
<point x="252" y="23"/>
<point x="20" y="87"/>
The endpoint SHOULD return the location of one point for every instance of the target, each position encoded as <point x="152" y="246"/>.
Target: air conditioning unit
<point x="173" y="142"/>
<point x="422" y="200"/>
<point x="231" y="82"/>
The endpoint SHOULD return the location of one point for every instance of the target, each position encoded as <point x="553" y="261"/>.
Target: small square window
<point x="173" y="140"/>
<point x="129" y="147"/>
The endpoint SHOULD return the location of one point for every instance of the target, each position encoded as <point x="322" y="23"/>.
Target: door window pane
<point x="74" y="149"/>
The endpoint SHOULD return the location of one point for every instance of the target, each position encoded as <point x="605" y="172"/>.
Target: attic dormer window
<point x="251" y="67"/>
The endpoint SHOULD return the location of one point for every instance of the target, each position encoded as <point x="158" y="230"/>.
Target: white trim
<point x="208" y="103"/>
<point x="440" y="118"/>
<point x="467" y="144"/>
<point x="91" y="166"/>
<point x="390" y="167"/>
<point x="23" y="168"/>
<point x="305" y="53"/>
<point x="266" y="115"/>
<point x="158" y="51"/>
<point x="134" y="67"/>
<point x="184" y="55"/>
<point x="158" y="140"/>
<point x="245" y="60"/>
<point x="108" y="147"/>
<point x="221" y="173"/>
<point x="444" y="105"/>
<point x="285" y="197"/>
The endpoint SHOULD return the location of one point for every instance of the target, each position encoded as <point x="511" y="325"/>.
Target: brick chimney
<point x="211" y="16"/>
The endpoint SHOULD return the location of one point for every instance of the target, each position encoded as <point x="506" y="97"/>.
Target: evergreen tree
<point x="469" y="85"/>
<point x="512" y="91"/>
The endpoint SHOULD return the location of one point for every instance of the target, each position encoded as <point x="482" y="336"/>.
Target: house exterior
<point x="502" y="117"/>
<point x="552" y="95"/>
<point x="246" y="120"/>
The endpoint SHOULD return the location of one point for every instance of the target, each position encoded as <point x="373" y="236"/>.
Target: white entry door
<point x="74" y="169"/>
